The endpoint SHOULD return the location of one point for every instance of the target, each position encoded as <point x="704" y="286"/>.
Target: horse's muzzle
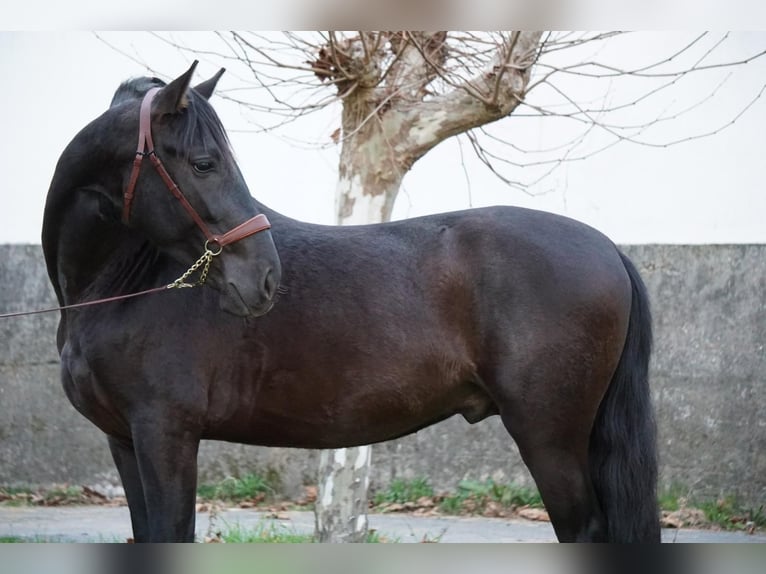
<point x="253" y="302"/>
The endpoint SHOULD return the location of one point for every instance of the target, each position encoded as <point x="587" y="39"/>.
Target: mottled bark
<point x="341" y="505"/>
<point x="387" y="125"/>
<point x="369" y="173"/>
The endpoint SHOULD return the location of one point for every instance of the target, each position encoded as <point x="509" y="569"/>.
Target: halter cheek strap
<point x="214" y="244"/>
<point x="144" y="137"/>
<point x="145" y="148"/>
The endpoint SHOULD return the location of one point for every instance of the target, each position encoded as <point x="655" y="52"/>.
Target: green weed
<point x="725" y="512"/>
<point x="729" y="514"/>
<point x="264" y="533"/>
<point x="475" y="495"/>
<point x="15" y="496"/>
<point x="61" y="495"/>
<point x="36" y="539"/>
<point x="401" y="491"/>
<point x="268" y="532"/>
<point x="673" y="497"/>
<point x="231" y="489"/>
<point x="57" y="495"/>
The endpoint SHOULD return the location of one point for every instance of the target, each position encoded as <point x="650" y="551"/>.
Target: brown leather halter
<point x="253" y="225"/>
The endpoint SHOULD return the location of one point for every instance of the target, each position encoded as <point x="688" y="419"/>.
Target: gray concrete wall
<point x="708" y="376"/>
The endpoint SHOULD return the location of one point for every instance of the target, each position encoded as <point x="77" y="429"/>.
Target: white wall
<point x="704" y="191"/>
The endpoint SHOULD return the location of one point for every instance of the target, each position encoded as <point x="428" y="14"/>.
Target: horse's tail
<point x="622" y="452"/>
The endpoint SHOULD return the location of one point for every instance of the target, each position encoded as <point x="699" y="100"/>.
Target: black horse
<point x="374" y="332"/>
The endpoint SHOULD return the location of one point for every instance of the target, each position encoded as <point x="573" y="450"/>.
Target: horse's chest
<point x="86" y="392"/>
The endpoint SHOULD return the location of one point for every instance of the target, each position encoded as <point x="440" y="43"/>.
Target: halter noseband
<point x="253" y="225"/>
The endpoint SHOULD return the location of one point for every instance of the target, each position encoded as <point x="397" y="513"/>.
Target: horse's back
<point x="470" y="275"/>
<point x="522" y="255"/>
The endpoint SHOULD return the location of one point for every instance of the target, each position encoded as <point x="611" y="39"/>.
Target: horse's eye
<point x="203" y="166"/>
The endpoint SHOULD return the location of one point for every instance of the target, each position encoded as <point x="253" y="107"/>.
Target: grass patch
<point x="727" y="513"/>
<point x="474" y="496"/>
<point x="401" y="491"/>
<point x="673" y="497"/>
<point x="62" y="495"/>
<point x="264" y="533"/>
<point x="471" y="497"/>
<point x="14" y="490"/>
<point x="374" y="537"/>
<point x="268" y="532"/>
<point x="56" y="495"/>
<point x="249" y="487"/>
<point x="677" y="503"/>
<point x="14" y="496"/>
<point x="36" y="539"/>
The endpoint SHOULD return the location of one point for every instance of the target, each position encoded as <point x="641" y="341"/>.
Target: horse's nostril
<point x="270" y="285"/>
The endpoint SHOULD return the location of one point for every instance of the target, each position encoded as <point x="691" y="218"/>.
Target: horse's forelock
<point x="202" y="119"/>
<point x="200" y="116"/>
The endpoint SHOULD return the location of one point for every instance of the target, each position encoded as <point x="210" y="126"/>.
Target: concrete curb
<point x="112" y="524"/>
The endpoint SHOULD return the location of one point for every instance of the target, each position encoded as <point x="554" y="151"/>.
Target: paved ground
<point x="110" y="524"/>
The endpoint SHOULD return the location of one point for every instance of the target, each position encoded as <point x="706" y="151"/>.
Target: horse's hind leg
<point x="558" y="463"/>
<point x="125" y="459"/>
<point x="550" y="416"/>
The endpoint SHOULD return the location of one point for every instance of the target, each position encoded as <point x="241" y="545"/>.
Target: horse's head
<point x="200" y="196"/>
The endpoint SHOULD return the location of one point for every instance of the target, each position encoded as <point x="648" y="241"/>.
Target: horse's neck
<point x="96" y="256"/>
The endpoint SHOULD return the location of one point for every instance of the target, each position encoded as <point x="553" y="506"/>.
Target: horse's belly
<point x="266" y="430"/>
<point x="352" y="418"/>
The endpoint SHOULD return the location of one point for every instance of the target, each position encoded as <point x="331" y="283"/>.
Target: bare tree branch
<point x="423" y="87"/>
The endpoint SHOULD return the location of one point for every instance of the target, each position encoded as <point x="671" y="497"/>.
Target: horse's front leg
<point x="125" y="459"/>
<point x="165" y="447"/>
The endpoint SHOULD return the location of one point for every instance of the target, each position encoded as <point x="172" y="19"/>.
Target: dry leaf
<point x="534" y="514"/>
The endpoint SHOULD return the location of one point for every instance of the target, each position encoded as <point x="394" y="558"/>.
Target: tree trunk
<point x="341" y="505"/>
<point x="369" y="174"/>
<point x="380" y="143"/>
<point x="368" y="181"/>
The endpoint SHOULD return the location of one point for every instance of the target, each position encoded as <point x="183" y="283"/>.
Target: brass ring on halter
<point x="215" y="242"/>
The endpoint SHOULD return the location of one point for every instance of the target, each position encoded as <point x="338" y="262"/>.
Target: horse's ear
<point x="172" y="98"/>
<point x="207" y="87"/>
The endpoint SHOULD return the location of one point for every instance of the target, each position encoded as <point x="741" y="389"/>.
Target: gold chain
<point x="204" y="262"/>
